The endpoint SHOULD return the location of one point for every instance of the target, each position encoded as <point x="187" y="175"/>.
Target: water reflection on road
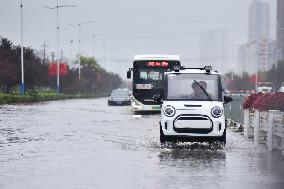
<point x="87" y="144"/>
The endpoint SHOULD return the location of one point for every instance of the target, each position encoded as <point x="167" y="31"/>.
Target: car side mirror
<point x="157" y="98"/>
<point x="128" y="74"/>
<point x="227" y="99"/>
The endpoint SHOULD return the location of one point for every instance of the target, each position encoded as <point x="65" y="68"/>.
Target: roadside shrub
<point x="262" y="102"/>
<point x="276" y="102"/>
<point x="249" y="100"/>
<point x="265" y="102"/>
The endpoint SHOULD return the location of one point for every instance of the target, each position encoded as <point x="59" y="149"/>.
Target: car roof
<point x="192" y="71"/>
<point x="119" y="92"/>
<point x="157" y="57"/>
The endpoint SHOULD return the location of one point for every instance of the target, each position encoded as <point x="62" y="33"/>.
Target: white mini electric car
<point x="192" y="109"/>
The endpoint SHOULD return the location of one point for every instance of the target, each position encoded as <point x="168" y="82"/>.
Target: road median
<point x="18" y="99"/>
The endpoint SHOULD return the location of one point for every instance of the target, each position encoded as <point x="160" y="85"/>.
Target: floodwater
<point x="84" y="144"/>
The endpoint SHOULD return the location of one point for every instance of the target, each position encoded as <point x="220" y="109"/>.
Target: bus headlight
<point x="216" y="112"/>
<point x="169" y="111"/>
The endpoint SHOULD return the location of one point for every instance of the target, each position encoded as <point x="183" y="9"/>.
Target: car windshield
<point x="149" y="79"/>
<point x="119" y="94"/>
<point x="188" y="87"/>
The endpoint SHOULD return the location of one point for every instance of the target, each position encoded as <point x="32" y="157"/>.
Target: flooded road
<point x="86" y="144"/>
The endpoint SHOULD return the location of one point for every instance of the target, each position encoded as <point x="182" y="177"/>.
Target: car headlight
<point x="169" y="111"/>
<point x="216" y="112"/>
<point x="137" y="104"/>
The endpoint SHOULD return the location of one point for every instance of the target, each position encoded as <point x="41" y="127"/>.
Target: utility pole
<point x="44" y="52"/>
<point x="70" y="51"/>
<point x="22" y="51"/>
<point x="52" y="57"/>
<point x="58" y="37"/>
<point x="61" y="55"/>
<point x="79" y="41"/>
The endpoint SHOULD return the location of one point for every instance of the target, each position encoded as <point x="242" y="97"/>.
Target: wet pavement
<point x="86" y="144"/>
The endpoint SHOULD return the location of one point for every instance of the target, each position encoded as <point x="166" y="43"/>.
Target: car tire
<point x="162" y="136"/>
<point x="224" y="138"/>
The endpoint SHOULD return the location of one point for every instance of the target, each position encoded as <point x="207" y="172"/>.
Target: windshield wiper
<point x="208" y="96"/>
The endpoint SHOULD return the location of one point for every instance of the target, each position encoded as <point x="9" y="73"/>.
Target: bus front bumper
<point x="137" y="106"/>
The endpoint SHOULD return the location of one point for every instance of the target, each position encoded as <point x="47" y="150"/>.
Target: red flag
<point x="52" y="69"/>
<point x="63" y="69"/>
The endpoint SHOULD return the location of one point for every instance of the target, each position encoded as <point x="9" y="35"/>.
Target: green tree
<point x="94" y="79"/>
<point x="36" y="73"/>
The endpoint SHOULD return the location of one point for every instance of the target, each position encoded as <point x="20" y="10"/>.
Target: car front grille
<point x="199" y="124"/>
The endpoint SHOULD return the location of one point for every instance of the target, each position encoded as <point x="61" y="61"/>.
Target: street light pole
<point x="57" y="49"/>
<point x="70" y="51"/>
<point x="22" y="51"/>
<point x="94" y="36"/>
<point x="79" y="50"/>
<point x="79" y="42"/>
<point x="58" y="40"/>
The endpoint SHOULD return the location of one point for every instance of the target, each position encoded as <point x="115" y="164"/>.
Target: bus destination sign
<point x="157" y="64"/>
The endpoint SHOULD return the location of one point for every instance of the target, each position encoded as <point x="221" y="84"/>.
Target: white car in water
<point x="281" y="89"/>
<point x="266" y="87"/>
<point x="192" y="109"/>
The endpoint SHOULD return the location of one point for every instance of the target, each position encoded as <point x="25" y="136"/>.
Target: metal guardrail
<point x="265" y="127"/>
<point x="234" y="110"/>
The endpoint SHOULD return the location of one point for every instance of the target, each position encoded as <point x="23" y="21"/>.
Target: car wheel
<point x="223" y="138"/>
<point x="162" y="136"/>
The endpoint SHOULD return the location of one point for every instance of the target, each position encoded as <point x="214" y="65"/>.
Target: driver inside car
<point x="198" y="93"/>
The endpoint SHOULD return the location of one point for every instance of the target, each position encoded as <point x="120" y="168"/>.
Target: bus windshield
<point x="148" y="79"/>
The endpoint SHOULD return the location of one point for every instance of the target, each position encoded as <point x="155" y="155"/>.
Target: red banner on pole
<point x="63" y="69"/>
<point x="52" y="69"/>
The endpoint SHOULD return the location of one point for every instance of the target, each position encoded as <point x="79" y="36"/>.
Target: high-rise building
<point x="259" y="20"/>
<point x="258" y="54"/>
<point x="280" y="29"/>
<point x="213" y="50"/>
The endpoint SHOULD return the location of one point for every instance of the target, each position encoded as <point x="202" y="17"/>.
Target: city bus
<point x="147" y="81"/>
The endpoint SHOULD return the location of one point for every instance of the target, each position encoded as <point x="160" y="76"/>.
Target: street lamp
<point x="79" y="41"/>
<point x="22" y="51"/>
<point x="58" y="33"/>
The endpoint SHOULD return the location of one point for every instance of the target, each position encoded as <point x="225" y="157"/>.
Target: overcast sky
<point x="131" y="26"/>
